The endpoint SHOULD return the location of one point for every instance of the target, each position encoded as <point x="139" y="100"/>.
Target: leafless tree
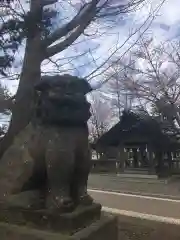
<point x="138" y="33"/>
<point x="115" y="91"/>
<point x="155" y="77"/>
<point x="100" y="119"/>
<point x="40" y="48"/>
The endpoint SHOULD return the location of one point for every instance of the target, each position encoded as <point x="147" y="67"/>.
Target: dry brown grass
<point x="136" y="229"/>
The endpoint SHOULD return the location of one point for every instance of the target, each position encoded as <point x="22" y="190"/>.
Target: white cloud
<point x="165" y="26"/>
<point x="169" y="13"/>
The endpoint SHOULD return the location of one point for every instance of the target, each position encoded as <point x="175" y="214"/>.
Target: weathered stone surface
<point x="25" y="164"/>
<point x="49" y="155"/>
<point x="24" y="200"/>
<point x="104" y="228"/>
<point x="43" y="175"/>
<point x="13" y="232"/>
<point x="62" y="100"/>
<point x="72" y="84"/>
<point x="16" y="165"/>
<point x="67" y="223"/>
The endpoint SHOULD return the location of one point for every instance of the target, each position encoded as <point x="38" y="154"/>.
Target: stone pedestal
<point x="84" y="223"/>
<point x="106" y="228"/>
<point x="44" y="220"/>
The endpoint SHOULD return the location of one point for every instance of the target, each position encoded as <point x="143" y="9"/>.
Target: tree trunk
<point x="31" y="72"/>
<point x="22" y="109"/>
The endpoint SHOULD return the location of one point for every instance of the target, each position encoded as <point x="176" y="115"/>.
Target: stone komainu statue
<point x="57" y="147"/>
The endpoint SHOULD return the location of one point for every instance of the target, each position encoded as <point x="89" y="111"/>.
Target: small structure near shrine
<point x="139" y="141"/>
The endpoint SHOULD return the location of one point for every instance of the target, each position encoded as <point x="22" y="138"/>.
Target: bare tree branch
<point x="87" y="10"/>
<point x="149" y="19"/>
<point x="59" y="47"/>
<point x="48" y="2"/>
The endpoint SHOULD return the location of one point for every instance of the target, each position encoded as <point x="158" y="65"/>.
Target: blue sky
<point x="165" y="26"/>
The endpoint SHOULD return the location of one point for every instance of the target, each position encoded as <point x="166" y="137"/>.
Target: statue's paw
<point x="66" y="202"/>
<point x="85" y="200"/>
<point x="60" y="204"/>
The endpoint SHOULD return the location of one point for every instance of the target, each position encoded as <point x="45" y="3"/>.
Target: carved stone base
<point x="85" y="223"/>
<point x="45" y="220"/>
<point x="105" y="228"/>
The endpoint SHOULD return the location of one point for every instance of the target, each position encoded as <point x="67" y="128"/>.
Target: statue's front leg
<point x="59" y="164"/>
<point x="80" y="179"/>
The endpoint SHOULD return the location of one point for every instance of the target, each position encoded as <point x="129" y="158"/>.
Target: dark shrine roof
<point x="139" y="127"/>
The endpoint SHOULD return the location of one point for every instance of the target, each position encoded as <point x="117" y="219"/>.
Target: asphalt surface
<point x="120" y="200"/>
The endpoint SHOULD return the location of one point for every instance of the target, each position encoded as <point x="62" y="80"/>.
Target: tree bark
<point x="31" y="72"/>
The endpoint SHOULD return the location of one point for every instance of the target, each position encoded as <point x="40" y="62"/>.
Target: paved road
<point x="153" y="208"/>
<point x="163" y="209"/>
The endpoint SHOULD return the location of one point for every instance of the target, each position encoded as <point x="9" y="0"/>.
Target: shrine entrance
<point x="138" y="143"/>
